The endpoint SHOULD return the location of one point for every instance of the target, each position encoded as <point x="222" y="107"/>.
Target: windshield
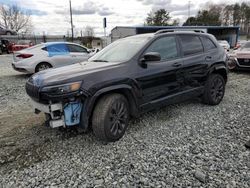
<point x="121" y="50"/>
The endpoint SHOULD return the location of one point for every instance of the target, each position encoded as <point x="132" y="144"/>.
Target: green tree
<point x="209" y="16"/>
<point x="159" y="18"/>
<point x="190" y="21"/>
<point x="236" y="14"/>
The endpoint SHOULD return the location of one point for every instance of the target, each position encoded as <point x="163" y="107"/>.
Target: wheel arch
<point x="124" y="90"/>
<point x="91" y="101"/>
<point x="220" y="68"/>
<point x="42" y="63"/>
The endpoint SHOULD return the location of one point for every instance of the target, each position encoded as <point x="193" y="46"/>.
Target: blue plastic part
<point x="57" y="49"/>
<point x="72" y="113"/>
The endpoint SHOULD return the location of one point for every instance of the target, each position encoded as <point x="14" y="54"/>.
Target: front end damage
<point x="62" y="104"/>
<point x="60" y="114"/>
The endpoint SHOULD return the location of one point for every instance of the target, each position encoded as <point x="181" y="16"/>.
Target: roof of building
<point x="179" y="27"/>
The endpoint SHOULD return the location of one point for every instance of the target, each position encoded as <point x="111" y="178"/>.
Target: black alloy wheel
<point x="214" y="89"/>
<point x="110" y="117"/>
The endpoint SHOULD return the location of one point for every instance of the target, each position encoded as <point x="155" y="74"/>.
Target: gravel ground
<point x="183" y="145"/>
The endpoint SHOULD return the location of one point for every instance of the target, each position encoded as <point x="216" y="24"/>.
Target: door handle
<point x="208" y="58"/>
<point x="176" y="64"/>
<point x="73" y="55"/>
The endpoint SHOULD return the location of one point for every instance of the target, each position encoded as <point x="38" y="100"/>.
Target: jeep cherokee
<point x="131" y="76"/>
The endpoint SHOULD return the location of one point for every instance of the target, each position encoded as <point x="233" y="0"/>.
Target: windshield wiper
<point x="99" y="60"/>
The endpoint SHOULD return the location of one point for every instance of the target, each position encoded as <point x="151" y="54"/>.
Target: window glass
<point x="207" y="43"/>
<point x="57" y="49"/>
<point x="165" y="46"/>
<point x="191" y="44"/>
<point x="122" y="50"/>
<point x="75" y="48"/>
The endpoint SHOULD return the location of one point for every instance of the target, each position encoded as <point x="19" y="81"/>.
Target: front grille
<point x="244" y="62"/>
<point x="32" y="91"/>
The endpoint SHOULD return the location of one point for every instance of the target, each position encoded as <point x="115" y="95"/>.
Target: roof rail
<point x="177" y="30"/>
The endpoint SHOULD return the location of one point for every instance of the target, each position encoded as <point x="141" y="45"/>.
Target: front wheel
<point x="214" y="89"/>
<point x="110" y="117"/>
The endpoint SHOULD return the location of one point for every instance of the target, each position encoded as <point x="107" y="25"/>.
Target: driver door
<point x="163" y="78"/>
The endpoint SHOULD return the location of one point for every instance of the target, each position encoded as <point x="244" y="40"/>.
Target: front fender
<point x="89" y="102"/>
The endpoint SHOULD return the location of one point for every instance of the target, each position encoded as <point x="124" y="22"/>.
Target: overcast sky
<point x="52" y="16"/>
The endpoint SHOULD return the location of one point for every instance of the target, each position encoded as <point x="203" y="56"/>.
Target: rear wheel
<point x="110" y="117"/>
<point x="8" y="33"/>
<point x="214" y="89"/>
<point x="42" y="66"/>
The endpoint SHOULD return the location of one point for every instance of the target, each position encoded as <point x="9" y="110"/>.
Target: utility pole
<point x="189" y="2"/>
<point x="71" y="21"/>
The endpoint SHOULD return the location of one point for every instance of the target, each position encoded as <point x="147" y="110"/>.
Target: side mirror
<point x="149" y="57"/>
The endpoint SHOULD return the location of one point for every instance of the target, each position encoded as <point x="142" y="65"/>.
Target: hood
<point x="70" y="73"/>
<point x="242" y="53"/>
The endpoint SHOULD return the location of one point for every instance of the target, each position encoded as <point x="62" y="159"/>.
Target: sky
<point x="52" y="16"/>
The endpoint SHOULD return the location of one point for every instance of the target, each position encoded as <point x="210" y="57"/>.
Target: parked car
<point x="49" y="55"/>
<point x="224" y="44"/>
<point x="94" y="50"/>
<point x="21" y="44"/>
<point x="4" y="31"/>
<point x="131" y="76"/>
<point x="240" y="59"/>
<point x="5" y="46"/>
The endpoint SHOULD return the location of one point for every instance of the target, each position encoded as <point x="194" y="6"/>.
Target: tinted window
<point x="165" y="46"/>
<point x="207" y="43"/>
<point x="75" y="48"/>
<point x="191" y="44"/>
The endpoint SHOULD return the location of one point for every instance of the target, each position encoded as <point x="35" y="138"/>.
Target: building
<point x="229" y="33"/>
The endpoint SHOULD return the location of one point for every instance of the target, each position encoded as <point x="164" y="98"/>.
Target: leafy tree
<point x="159" y="18"/>
<point x="236" y="14"/>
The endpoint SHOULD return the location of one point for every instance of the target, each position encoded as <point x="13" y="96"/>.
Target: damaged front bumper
<point x="59" y="114"/>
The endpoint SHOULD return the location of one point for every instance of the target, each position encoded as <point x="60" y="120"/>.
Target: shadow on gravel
<point x="22" y="76"/>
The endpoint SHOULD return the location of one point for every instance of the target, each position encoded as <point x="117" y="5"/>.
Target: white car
<point x="49" y="55"/>
<point x="224" y="44"/>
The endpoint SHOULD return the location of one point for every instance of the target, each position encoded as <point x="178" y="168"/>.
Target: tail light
<point x="24" y="56"/>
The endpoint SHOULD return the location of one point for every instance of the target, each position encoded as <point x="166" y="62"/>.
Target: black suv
<point x="131" y="76"/>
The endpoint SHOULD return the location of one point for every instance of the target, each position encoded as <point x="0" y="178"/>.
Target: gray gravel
<point x="183" y="145"/>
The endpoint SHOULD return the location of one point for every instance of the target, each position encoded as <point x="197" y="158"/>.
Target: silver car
<point x="49" y="55"/>
<point x="4" y="31"/>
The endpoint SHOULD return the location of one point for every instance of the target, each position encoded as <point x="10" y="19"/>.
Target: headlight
<point x="62" y="89"/>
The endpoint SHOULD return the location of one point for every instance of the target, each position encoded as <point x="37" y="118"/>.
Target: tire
<point x="214" y="89"/>
<point x="42" y="66"/>
<point x="8" y="33"/>
<point x="110" y="117"/>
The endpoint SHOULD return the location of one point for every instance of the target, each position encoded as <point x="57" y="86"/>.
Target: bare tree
<point x="89" y="31"/>
<point x="12" y="17"/>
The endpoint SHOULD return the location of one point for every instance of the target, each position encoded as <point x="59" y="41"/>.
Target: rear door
<point x="161" y="79"/>
<point x="194" y="61"/>
<point x="78" y="53"/>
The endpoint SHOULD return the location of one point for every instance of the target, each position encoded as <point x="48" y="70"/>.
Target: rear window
<point x="191" y="44"/>
<point x="208" y="44"/>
